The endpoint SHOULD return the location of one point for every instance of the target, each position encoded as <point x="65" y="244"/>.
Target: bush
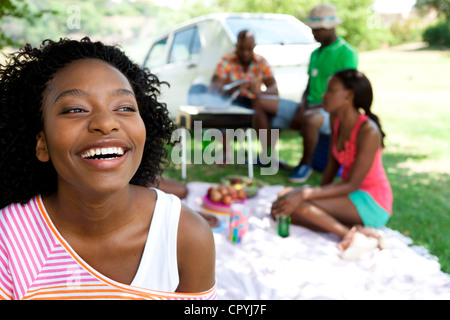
<point x="438" y="35"/>
<point x="404" y="31"/>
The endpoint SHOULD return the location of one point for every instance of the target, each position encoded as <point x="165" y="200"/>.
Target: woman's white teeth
<point x="103" y="153"/>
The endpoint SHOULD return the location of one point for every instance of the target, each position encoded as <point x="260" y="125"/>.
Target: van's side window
<point x="157" y="54"/>
<point x="186" y="46"/>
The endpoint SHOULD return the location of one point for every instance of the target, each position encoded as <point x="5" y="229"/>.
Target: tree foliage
<point x="16" y="17"/>
<point x="439" y="33"/>
<point x="442" y="6"/>
<point x="18" y="10"/>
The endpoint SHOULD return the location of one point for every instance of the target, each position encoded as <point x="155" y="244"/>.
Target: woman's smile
<point x="105" y="155"/>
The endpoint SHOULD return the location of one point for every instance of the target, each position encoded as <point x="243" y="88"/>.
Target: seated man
<point x="333" y="55"/>
<point x="250" y="71"/>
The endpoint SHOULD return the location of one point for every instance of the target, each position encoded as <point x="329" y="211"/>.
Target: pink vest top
<point x="375" y="183"/>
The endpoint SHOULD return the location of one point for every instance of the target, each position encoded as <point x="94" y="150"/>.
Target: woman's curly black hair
<point x="23" y="81"/>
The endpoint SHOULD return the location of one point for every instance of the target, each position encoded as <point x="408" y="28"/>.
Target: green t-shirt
<point x="326" y="61"/>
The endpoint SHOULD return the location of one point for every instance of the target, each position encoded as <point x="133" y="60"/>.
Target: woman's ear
<point x="350" y="95"/>
<point x="41" y="148"/>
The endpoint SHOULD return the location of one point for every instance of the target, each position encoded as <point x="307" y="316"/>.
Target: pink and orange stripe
<point x="37" y="263"/>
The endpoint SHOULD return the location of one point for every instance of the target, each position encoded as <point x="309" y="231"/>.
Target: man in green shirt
<point x="334" y="54"/>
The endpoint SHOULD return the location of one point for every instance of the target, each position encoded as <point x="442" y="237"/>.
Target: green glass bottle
<point x="283" y="226"/>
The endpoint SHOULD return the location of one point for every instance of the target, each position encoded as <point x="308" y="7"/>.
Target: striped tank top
<point x="37" y="263"/>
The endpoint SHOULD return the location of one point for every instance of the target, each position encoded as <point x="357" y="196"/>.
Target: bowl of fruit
<point x="251" y="186"/>
<point x="219" y="198"/>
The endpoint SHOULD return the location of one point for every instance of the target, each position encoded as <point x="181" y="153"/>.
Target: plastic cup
<point x="238" y="222"/>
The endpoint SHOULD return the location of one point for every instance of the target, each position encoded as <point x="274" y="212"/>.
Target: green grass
<point x="411" y="87"/>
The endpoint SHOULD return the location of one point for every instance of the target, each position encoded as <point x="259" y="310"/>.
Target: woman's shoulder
<point x="193" y="227"/>
<point x="369" y="127"/>
<point x="20" y="208"/>
<point x="369" y="131"/>
<point x="21" y="216"/>
<point x="196" y="252"/>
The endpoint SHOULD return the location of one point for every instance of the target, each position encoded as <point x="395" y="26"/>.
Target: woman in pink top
<point x="363" y="196"/>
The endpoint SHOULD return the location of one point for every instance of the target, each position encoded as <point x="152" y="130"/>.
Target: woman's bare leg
<point x="331" y="215"/>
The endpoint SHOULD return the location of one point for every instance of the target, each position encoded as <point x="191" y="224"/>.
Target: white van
<point x="188" y="55"/>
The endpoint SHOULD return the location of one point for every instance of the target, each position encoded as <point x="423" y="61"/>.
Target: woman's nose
<point x="103" y="121"/>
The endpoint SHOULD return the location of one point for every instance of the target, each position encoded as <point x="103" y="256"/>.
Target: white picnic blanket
<point x="307" y="264"/>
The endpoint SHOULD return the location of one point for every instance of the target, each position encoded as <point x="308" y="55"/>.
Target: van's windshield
<point x="270" y="30"/>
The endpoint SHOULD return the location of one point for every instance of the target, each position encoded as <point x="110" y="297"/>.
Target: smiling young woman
<point x="90" y="106"/>
<point x="78" y="154"/>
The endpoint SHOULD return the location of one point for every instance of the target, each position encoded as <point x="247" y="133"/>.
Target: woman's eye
<point x="127" y="108"/>
<point x="73" y="110"/>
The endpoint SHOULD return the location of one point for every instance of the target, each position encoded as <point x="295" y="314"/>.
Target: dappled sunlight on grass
<point x="420" y="204"/>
